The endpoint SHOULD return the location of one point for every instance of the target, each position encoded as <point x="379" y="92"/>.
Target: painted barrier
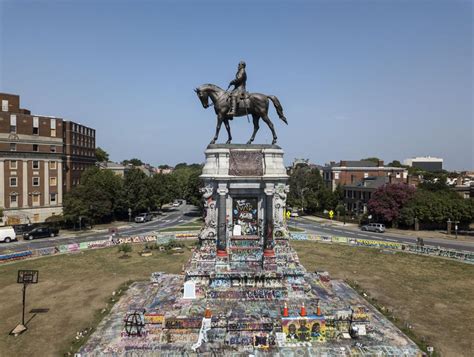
<point x="464" y="256"/>
<point x="76" y="247"/>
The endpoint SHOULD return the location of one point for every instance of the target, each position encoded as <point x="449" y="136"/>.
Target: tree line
<point x="103" y="196"/>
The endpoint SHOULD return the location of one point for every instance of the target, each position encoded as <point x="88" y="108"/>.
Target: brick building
<point x="352" y="172"/>
<point x="79" y="152"/>
<point x="34" y="162"/>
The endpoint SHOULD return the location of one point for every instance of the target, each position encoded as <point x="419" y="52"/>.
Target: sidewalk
<point x="403" y="232"/>
<point x="99" y="228"/>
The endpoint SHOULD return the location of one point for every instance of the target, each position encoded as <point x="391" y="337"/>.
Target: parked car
<point x="176" y="204"/>
<point x="143" y="217"/>
<point x="294" y="214"/>
<point x="41" y="232"/>
<point x="7" y="234"/>
<point x="374" y="227"/>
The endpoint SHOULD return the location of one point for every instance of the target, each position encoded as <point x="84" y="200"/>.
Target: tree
<point x="163" y="189"/>
<point x="96" y="199"/>
<point x="396" y="163"/>
<point x="133" y="162"/>
<point x="125" y="249"/>
<point x="137" y="191"/>
<point x="388" y="200"/>
<point x="435" y="208"/>
<point x="373" y="159"/>
<point x="101" y="155"/>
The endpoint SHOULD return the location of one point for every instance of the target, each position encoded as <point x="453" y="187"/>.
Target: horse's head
<point x="203" y="96"/>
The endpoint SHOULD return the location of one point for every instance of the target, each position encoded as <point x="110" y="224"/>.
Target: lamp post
<point x="129" y="214"/>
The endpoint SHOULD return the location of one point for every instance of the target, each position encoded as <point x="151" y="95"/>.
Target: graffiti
<point x="183" y="323"/>
<point x="186" y="235"/>
<point x="15" y="256"/>
<point x="155" y="319"/>
<point x="245" y="215"/>
<point x="303" y="329"/>
<point x="251" y="294"/>
<point x="249" y="326"/>
<point x="298" y="236"/>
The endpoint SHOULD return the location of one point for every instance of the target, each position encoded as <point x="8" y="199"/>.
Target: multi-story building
<point x="31" y="163"/>
<point x="40" y="158"/>
<point x="351" y="172"/>
<point x="426" y="163"/>
<point x="79" y="152"/>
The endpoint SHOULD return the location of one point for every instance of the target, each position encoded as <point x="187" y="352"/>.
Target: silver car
<point x="374" y="227"/>
<point x="143" y="217"/>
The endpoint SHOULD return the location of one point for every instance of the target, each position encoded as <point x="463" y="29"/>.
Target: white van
<point x="7" y="234"/>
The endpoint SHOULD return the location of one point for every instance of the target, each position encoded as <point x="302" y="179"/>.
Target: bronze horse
<point x="258" y="108"/>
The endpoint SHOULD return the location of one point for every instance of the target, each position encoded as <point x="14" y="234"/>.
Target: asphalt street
<point x="352" y="232"/>
<point x="186" y="213"/>
<point x="173" y="217"/>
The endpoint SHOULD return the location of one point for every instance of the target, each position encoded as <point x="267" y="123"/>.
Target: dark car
<point x="41" y="232"/>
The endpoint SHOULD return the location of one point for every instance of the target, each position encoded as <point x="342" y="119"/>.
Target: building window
<point x="13" y="164"/>
<point x="4" y="105"/>
<point x="35" y="147"/>
<point x="52" y="198"/>
<point x="53" y="127"/>
<point x="52" y="165"/>
<point x="13" y="124"/>
<point x="36" y="199"/>
<point x="52" y="181"/>
<point x="12" y="147"/>
<point x="366" y="174"/>
<point x="13" y="200"/>
<point x="35" y="125"/>
<point x="36" y="181"/>
<point x="13" y="181"/>
<point x="35" y="164"/>
<point x="53" y="148"/>
<point x="336" y="176"/>
<point x="397" y="175"/>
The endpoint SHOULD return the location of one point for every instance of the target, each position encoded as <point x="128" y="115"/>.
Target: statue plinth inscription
<point x="245" y="163"/>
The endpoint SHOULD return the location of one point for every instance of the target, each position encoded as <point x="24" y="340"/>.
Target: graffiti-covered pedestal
<point x="244" y="290"/>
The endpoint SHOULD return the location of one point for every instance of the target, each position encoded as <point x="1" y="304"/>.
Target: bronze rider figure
<point x="239" y="87"/>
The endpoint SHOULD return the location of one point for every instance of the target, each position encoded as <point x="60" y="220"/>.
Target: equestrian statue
<point x="238" y="103"/>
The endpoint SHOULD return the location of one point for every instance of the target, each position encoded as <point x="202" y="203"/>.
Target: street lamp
<point x="129" y="214"/>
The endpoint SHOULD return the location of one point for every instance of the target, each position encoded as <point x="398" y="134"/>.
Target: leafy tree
<point x="307" y="189"/>
<point x="187" y="181"/>
<point x="396" y="163"/>
<point x="164" y="167"/>
<point x="434" y="208"/>
<point x="373" y="159"/>
<point x="434" y="182"/>
<point x="96" y="198"/>
<point x="136" y="191"/>
<point x="388" y="200"/>
<point x="125" y="249"/>
<point x="101" y="155"/>
<point x="162" y="189"/>
<point x="133" y="162"/>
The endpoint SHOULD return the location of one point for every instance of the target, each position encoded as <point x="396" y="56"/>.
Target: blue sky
<point x="356" y="78"/>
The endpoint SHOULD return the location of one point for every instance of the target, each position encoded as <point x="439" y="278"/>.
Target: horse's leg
<point x="227" y="126"/>
<point x="218" y="128"/>
<point x="267" y="120"/>
<point x="256" y="118"/>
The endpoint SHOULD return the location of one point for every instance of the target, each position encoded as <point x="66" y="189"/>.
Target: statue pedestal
<point x="245" y="188"/>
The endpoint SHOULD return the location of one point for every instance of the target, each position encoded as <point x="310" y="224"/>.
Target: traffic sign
<point x="331" y="214"/>
<point x="288" y="214"/>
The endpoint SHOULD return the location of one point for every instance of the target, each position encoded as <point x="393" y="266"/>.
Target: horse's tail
<point x="278" y="107"/>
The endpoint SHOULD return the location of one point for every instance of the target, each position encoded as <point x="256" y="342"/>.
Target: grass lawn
<point x="433" y="295"/>
<point x="74" y="288"/>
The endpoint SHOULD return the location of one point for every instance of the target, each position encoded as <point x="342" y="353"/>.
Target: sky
<point x="356" y="79"/>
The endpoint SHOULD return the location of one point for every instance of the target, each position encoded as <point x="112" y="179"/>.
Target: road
<point x="334" y="230"/>
<point x="173" y="217"/>
<point x="186" y="213"/>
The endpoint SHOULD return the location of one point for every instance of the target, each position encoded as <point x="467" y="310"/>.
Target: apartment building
<point x="41" y="157"/>
<point x="31" y="163"/>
